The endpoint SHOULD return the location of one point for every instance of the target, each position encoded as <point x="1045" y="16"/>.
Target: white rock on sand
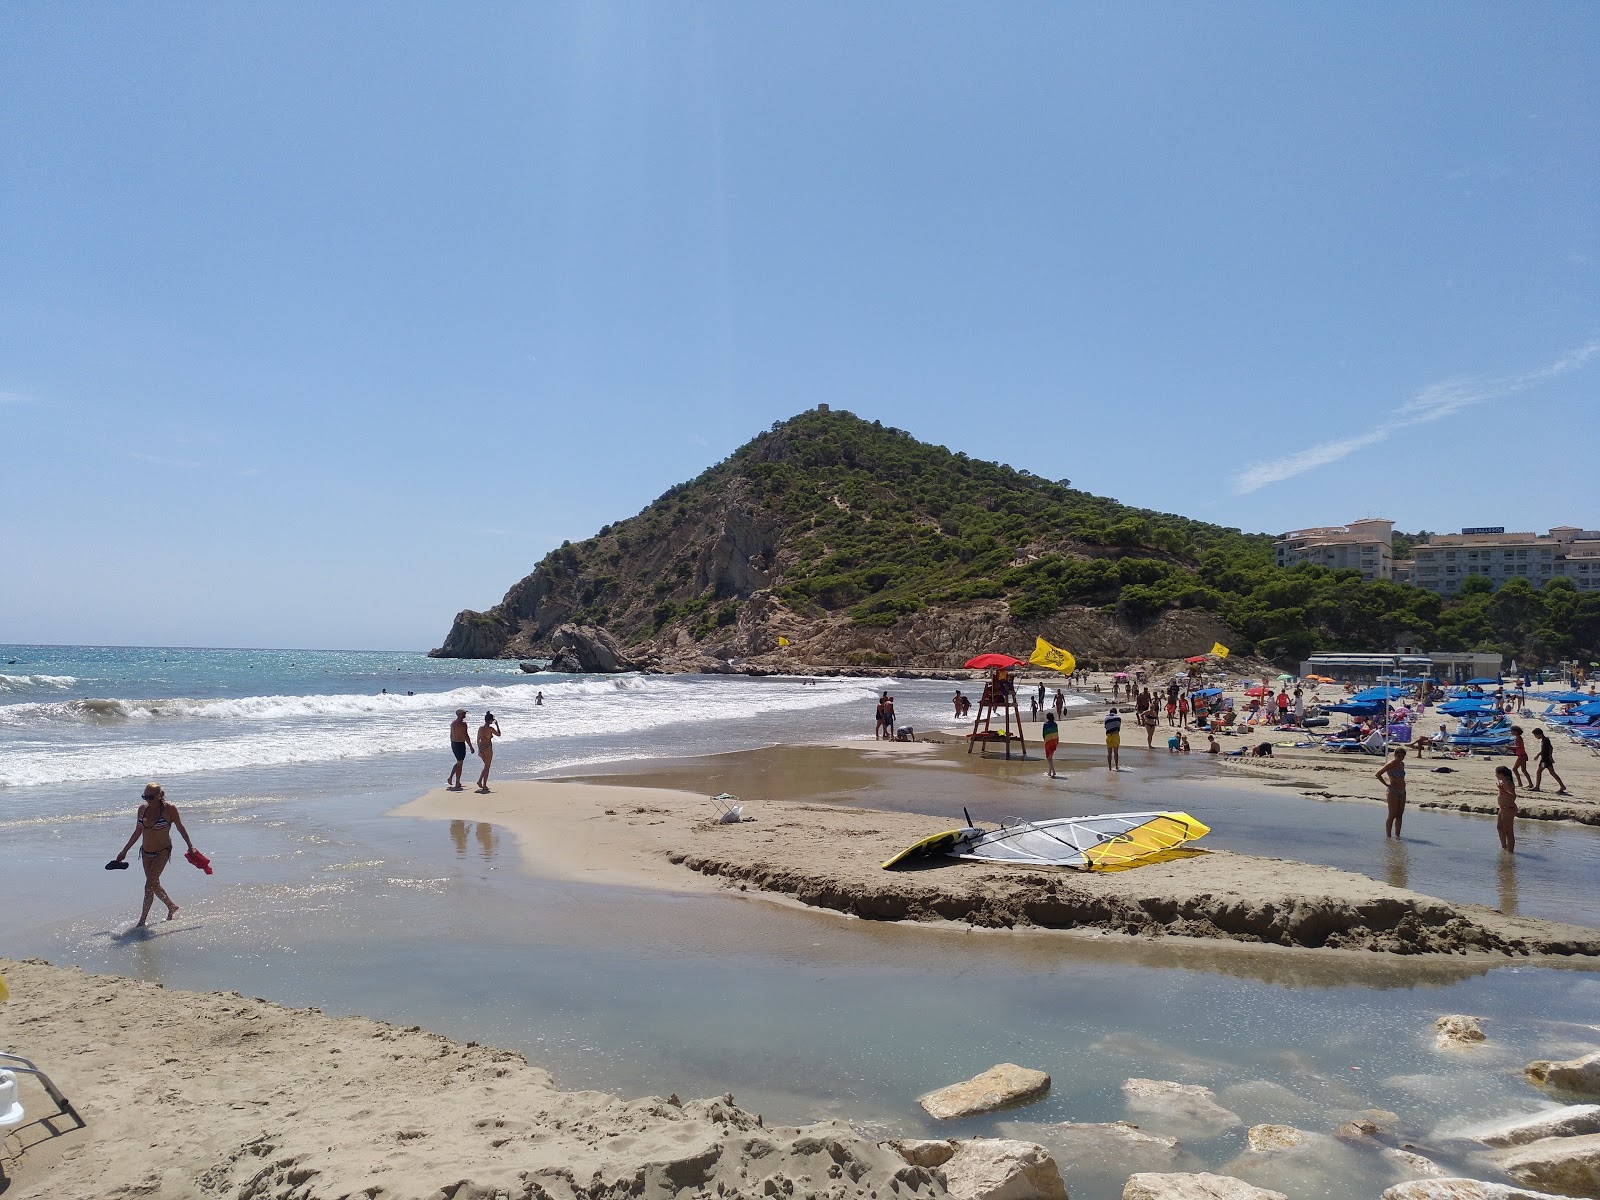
<point x="997" y="1169"/>
<point x="1001" y="1086"/>
<point x="1457" y="1031"/>
<point x="1570" y="1121"/>
<point x="1179" y="1108"/>
<point x="1201" y="1185"/>
<point x="1461" y="1189"/>
<point x="1560" y="1164"/>
<point x="1580" y="1076"/>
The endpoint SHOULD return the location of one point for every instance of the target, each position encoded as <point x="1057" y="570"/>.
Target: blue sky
<point x="321" y="322"/>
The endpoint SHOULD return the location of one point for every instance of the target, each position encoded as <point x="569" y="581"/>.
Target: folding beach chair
<point x="10" y="1065"/>
<point x="10" y="1106"/>
<point x="729" y="810"/>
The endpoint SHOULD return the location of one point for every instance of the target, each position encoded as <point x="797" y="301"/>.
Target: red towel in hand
<point x="199" y="860"/>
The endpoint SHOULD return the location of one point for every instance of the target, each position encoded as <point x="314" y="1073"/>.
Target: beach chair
<point x="1373" y="744"/>
<point x="10" y="1107"/>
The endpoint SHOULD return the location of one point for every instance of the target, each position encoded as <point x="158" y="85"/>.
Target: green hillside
<point x="836" y="515"/>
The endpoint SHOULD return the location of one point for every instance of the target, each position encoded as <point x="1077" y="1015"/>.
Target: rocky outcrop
<point x="923" y="1152"/>
<point x="1572" y="1120"/>
<point x="1461" y="1189"/>
<point x="1577" y="1076"/>
<point x="1569" y="1165"/>
<point x="1456" y="1031"/>
<point x="1184" y="1109"/>
<point x="997" y="1169"/>
<point x="587" y="649"/>
<point x="1004" y="1085"/>
<point x="1200" y="1185"/>
<point x="475" y="635"/>
<point x="1122" y="1138"/>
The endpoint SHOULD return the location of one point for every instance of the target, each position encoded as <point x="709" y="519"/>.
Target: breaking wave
<point x="36" y="683"/>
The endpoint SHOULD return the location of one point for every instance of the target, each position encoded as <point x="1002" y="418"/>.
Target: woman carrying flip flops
<point x="154" y="825"/>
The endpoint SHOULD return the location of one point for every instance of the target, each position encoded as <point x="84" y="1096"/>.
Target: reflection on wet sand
<point x="486" y="835"/>
<point x="1506" y="881"/>
<point x="1396" y="863"/>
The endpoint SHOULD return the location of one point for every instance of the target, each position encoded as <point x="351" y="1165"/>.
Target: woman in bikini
<point x="154" y="825"/>
<point x="487" y="732"/>
<point x="1505" y="820"/>
<point x="1393" y="776"/>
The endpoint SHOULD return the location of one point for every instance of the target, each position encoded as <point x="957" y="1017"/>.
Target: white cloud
<point x="16" y="398"/>
<point x="1432" y="403"/>
<point x="158" y="460"/>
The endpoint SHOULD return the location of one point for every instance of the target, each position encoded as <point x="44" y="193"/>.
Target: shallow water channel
<point x="804" y="1014"/>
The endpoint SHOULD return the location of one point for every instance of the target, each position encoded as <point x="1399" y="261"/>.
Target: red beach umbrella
<point x="1198" y="658"/>
<point x="1258" y="690"/>
<point x="988" y="662"/>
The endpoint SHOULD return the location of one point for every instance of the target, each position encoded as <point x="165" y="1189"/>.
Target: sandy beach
<point x="829" y="856"/>
<point x="222" y="1095"/>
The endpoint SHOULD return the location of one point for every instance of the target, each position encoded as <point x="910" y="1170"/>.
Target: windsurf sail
<point x="1110" y="842"/>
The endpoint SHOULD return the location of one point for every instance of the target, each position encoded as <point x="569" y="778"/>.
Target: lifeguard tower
<point x="997" y="703"/>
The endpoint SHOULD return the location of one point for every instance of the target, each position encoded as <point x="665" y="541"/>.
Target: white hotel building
<point x="1440" y="564"/>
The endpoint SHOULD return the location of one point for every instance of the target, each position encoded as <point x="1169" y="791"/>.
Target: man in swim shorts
<point x="459" y="746"/>
<point x="1113" y="739"/>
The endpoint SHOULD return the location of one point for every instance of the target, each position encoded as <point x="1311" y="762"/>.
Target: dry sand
<point x="828" y="855"/>
<point x="188" y="1095"/>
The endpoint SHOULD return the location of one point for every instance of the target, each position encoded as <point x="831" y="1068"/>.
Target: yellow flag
<point x="3" y="992"/>
<point x="1054" y="657"/>
<point x="782" y="641"/>
<point x="1219" y="650"/>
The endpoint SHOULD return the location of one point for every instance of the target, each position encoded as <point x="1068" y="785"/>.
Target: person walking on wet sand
<point x="459" y="745"/>
<point x="1051" y="733"/>
<point x="487" y="732"/>
<point x="1547" y="762"/>
<point x="1150" y="720"/>
<point x="154" y="825"/>
<point x="1505" y="821"/>
<point x="1519" y="764"/>
<point x="1393" y="776"/>
<point x="1113" y="740"/>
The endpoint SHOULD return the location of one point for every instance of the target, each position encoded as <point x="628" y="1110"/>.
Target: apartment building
<point x="1441" y="564"/>
<point x="1366" y="546"/>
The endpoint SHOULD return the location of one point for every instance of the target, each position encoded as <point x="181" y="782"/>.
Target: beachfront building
<point x="1441" y="564"/>
<point x="1447" y="666"/>
<point x="1366" y="546"/>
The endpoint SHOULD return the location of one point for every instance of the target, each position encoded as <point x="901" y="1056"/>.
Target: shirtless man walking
<point x="460" y="744"/>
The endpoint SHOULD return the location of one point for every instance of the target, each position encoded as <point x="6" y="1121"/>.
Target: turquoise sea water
<point x="286" y="762"/>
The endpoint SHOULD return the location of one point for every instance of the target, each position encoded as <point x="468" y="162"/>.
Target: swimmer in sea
<point x="487" y="732"/>
<point x="459" y="745"/>
<point x="154" y="825"/>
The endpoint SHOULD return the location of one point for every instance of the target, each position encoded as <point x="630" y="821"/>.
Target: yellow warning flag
<point x="782" y="641"/>
<point x="1219" y="650"/>
<point x="3" y="992"/>
<point x="1054" y="657"/>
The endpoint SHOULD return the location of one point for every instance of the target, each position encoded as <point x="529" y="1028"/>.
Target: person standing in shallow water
<point x="1505" y="822"/>
<point x="1051" y="732"/>
<point x="154" y="825"/>
<point x="1113" y="739"/>
<point x="459" y="745"/>
<point x="1393" y="776"/>
<point x="487" y="732"/>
